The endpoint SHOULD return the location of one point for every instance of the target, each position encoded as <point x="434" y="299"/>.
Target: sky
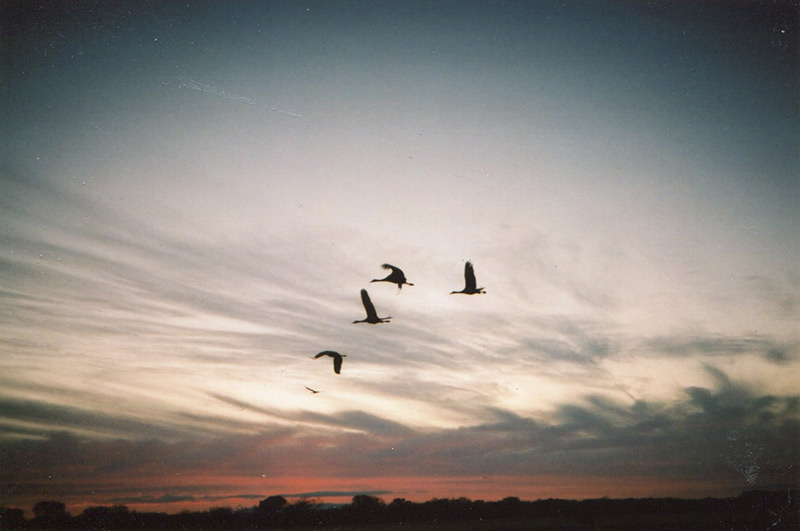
<point x="193" y="194"/>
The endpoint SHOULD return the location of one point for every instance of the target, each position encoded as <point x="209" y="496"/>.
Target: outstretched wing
<point x="469" y="276"/>
<point x="337" y="364"/>
<point x="326" y="353"/>
<point x="397" y="276"/>
<point x="368" y="305"/>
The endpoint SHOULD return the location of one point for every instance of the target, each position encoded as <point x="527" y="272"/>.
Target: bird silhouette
<point x="337" y="361"/>
<point x="396" y="276"/>
<point x="469" y="280"/>
<point x="313" y="391"/>
<point x="372" y="316"/>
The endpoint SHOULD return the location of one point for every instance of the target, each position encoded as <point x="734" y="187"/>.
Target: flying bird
<point x="372" y="316"/>
<point x="469" y="280"/>
<point x="313" y="391"/>
<point x="337" y="362"/>
<point x="396" y="276"/>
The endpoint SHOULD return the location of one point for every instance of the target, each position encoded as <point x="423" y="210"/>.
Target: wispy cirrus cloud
<point x="714" y="345"/>
<point x="173" y="251"/>
<point x="727" y="432"/>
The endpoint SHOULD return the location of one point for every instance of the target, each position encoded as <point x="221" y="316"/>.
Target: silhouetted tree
<point x="301" y="512"/>
<point x="367" y="508"/>
<point x="401" y="510"/>
<point x="220" y="518"/>
<point x="105" y="517"/>
<point x="461" y="508"/>
<point x="271" y="505"/>
<point x="511" y="506"/>
<point x="50" y="514"/>
<point x="753" y="510"/>
<point x="11" y="518"/>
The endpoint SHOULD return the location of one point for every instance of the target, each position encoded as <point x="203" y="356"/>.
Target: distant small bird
<point x="396" y="276"/>
<point x="313" y="391"/>
<point x="372" y="316"/>
<point x="469" y="279"/>
<point x="337" y="362"/>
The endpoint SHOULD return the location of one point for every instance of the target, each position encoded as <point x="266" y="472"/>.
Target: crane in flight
<point x="372" y="316"/>
<point x="469" y="280"/>
<point x="337" y="362"/>
<point x="396" y="276"/>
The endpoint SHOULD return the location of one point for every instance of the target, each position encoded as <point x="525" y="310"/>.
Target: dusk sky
<point x="193" y="194"/>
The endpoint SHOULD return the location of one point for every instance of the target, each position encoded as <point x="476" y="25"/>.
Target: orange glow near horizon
<point x="415" y="489"/>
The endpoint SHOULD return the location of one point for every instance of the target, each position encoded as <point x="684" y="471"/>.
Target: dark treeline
<point x="775" y="510"/>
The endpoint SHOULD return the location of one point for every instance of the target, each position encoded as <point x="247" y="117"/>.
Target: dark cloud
<point x="557" y="349"/>
<point x="350" y="420"/>
<point x="166" y="498"/>
<point x="716" y="345"/>
<point x="360" y="420"/>
<point x="28" y="417"/>
<point x="242" y="405"/>
<point x="727" y="435"/>
<point x="778" y="355"/>
<point x="337" y="493"/>
<point x="171" y="498"/>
